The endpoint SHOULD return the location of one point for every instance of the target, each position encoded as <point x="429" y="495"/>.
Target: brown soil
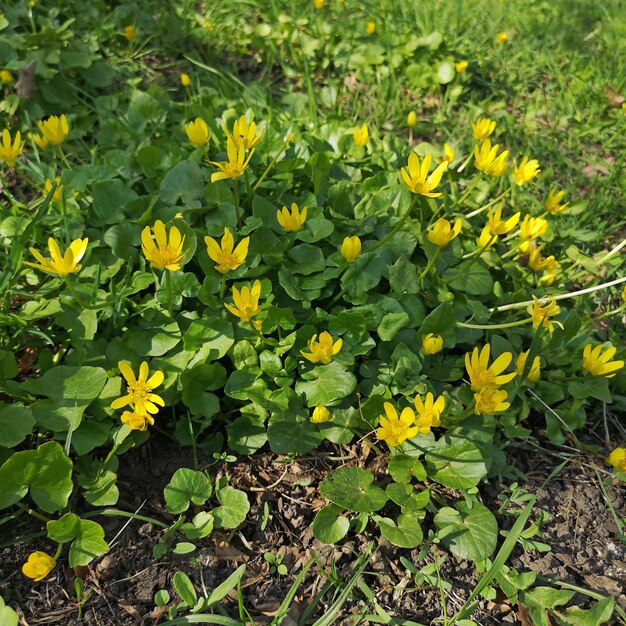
<point x="586" y="550"/>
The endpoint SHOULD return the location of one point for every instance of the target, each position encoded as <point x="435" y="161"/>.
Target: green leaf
<point x="71" y="389"/>
<point x="326" y="384"/>
<point x="16" y="423"/>
<point x="456" y="463"/>
<point x="406" y="533"/>
<point x="351" y="488"/>
<point x="403" y="467"/>
<point x="223" y="589"/>
<point x="291" y="431"/>
<point x="442" y="322"/>
<point x="185" y="487"/>
<point x="233" y="510"/>
<point x="8" y="617"/>
<point x="403" y="276"/>
<point x="201" y="526"/>
<point x="470" y="277"/>
<point x="47" y="472"/>
<point x="446" y="72"/>
<point x="8" y="365"/>
<point x="211" y="333"/>
<point x="391" y="324"/>
<point x="184" y="181"/>
<point x="597" y="388"/>
<point x="87" y="538"/>
<point x="469" y="533"/>
<point x="184" y="588"/>
<point x="329" y="526"/>
<point x="601" y="613"/>
<point x="110" y="198"/>
<point x="246" y="434"/>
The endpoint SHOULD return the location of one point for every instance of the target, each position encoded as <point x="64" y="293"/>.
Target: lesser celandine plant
<point x="435" y="338"/>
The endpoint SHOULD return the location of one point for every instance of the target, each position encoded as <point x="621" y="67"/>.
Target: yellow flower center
<point x="483" y="378"/>
<point x="164" y="256"/>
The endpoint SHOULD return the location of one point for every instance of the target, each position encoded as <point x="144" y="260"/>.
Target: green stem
<point x="168" y="285"/>
<point x="477" y="256"/>
<point x="37" y="515"/>
<point x="562" y="296"/>
<point x="268" y="169"/>
<point x="430" y="263"/>
<point x="223" y="287"/>
<point x="82" y="303"/>
<point x="397" y="227"/>
<point x="490" y="203"/>
<point x="495" y="326"/>
<point x="64" y="158"/>
<point x="610" y="313"/>
<point x="236" y="200"/>
<point x="468" y="191"/>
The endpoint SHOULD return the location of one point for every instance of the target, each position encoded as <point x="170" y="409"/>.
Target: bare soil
<point x="581" y="531"/>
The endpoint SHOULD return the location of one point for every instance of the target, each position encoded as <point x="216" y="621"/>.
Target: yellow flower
<point x="490" y="401"/>
<point x="482" y="128"/>
<point x="38" y="566"/>
<point x="533" y="228"/>
<point x="320" y="414"/>
<point x="488" y="160"/>
<point x="537" y="263"/>
<point x="137" y="421"/>
<point x="291" y="222"/>
<point x="481" y="374"/>
<point x="318" y="4"/>
<point x="40" y="140"/>
<point x="617" y="459"/>
<point x="246" y="302"/>
<point x="226" y="258"/>
<point x="534" y="373"/>
<point x="417" y="178"/>
<point x="9" y="151"/>
<point x="351" y="248"/>
<point x="245" y="134"/>
<point x="6" y="77"/>
<point x="393" y="429"/>
<point x="361" y="135"/>
<point x="552" y="203"/>
<point x="502" y="37"/>
<point x="461" y="66"/>
<point x="486" y="239"/>
<point x="442" y="232"/>
<point x="54" y="130"/>
<point x="429" y="412"/>
<point x="236" y="164"/>
<point x="166" y="252"/>
<point x="322" y="351"/>
<point x="197" y="132"/>
<point x="57" y="196"/>
<point x="371" y="28"/>
<point x="411" y="119"/>
<point x="185" y="81"/>
<point x="449" y="153"/>
<point x="497" y="226"/>
<point x="130" y="33"/>
<point x="599" y="363"/>
<point x="60" y="264"/>
<point x="139" y="390"/>
<point x="624" y="294"/>
<point x="541" y="314"/>
<point x="431" y="344"/>
<point x="525" y="171"/>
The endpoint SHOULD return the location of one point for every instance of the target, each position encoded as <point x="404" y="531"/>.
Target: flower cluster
<point x="140" y="397"/>
<point x="486" y="380"/>
<point x="395" y="429"/>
